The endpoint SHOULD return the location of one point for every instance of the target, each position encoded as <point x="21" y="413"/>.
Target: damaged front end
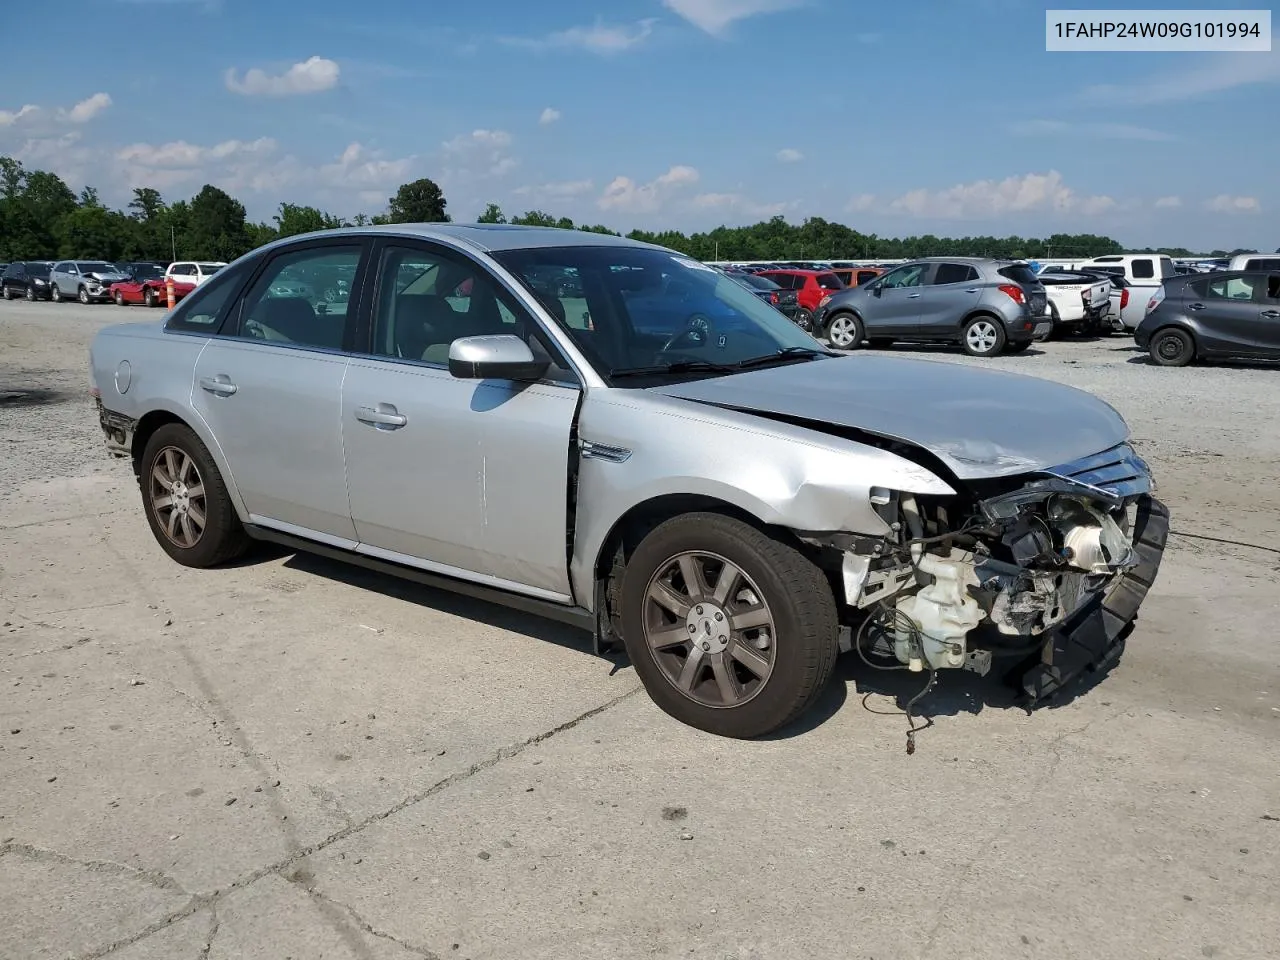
<point x="1047" y="570"/>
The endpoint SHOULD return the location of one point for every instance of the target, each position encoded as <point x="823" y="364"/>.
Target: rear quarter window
<point x="1019" y="273"/>
<point x="204" y="309"/>
<point x="1143" y="269"/>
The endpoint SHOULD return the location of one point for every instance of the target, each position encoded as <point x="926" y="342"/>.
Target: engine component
<point x="943" y="613"/>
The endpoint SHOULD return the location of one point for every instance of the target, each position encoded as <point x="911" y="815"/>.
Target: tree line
<point x="41" y="218"/>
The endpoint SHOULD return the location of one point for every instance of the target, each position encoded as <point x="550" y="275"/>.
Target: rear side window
<point x="865" y="276"/>
<point x="1263" y="263"/>
<point x="1143" y="269"/>
<point x="1019" y="273"/>
<point x="954" y="273"/>
<point x="202" y="311"/>
<point x="829" y="281"/>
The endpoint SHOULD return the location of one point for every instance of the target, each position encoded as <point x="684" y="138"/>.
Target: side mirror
<point x="494" y="357"/>
<point x="877" y="289"/>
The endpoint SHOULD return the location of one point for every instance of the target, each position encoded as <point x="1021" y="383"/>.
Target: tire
<point x="1172" y="347"/>
<point x="844" y="331"/>
<point x="804" y="320"/>
<point x="772" y="677"/>
<point x="983" y="336"/>
<point x="1017" y="347"/>
<point x="55" y="294"/>
<point x="83" y="294"/>
<point x="222" y="536"/>
<point x="149" y="297"/>
<point x="119" y="298"/>
<point x="8" y="293"/>
<point x="31" y="294"/>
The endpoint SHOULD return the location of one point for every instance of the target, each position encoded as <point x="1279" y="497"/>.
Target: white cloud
<point x="559" y="190"/>
<point x="1168" y="203"/>
<point x="1089" y="130"/>
<point x="737" y="203"/>
<point x="36" y="120"/>
<point x="179" y="153"/>
<point x="362" y="168"/>
<point x="87" y="109"/>
<point x="716" y="16"/>
<point x="1211" y="74"/>
<point x="310" y="76"/>
<point x="625" y="195"/>
<point x="1225" y="203"/>
<point x="987" y="199"/>
<point x="861" y="203"/>
<point x="10" y="117"/>
<point x="478" y="153"/>
<point x="600" y="38"/>
<point x="790" y="155"/>
<point x="549" y="115"/>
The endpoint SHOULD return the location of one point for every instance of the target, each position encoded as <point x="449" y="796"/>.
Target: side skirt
<point x="573" y="616"/>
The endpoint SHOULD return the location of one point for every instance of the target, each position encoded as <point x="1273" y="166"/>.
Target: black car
<point x="784" y="301"/>
<point x="1213" y="315"/>
<point x="26" y="278"/>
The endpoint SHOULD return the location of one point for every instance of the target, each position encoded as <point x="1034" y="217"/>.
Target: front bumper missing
<point x="1093" y="638"/>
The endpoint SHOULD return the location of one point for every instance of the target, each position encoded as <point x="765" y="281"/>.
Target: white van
<point x="1255" y="262"/>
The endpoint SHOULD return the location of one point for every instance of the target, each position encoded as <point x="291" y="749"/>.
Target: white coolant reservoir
<point x="943" y="612"/>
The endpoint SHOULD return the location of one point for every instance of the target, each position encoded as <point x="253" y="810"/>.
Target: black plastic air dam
<point x="1094" y="637"/>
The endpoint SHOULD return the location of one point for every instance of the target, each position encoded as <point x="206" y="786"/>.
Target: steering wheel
<point x="697" y="333"/>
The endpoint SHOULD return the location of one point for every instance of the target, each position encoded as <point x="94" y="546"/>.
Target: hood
<point x="980" y="423"/>
<point x="108" y="276"/>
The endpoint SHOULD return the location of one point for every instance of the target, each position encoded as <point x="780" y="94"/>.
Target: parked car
<point x="147" y="285"/>
<point x="810" y="285"/>
<point x="784" y="301"/>
<point x="1079" y="302"/>
<point x="88" y="281"/>
<point x="1254" y="262"/>
<point x="26" y="278"/>
<point x="192" y="272"/>
<point x="856" y="276"/>
<point x="987" y="306"/>
<point x="1220" y="315"/>
<point x="720" y="501"/>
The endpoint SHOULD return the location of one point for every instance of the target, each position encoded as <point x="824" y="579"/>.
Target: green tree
<point x="146" y="204"/>
<point x="537" y="218"/>
<point x="293" y="219"/>
<point x="418" y="202"/>
<point x="492" y="214"/>
<point x="216" y="227"/>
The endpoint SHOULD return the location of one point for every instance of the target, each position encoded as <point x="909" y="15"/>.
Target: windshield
<point x="751" y="280"/>
<point x="1019" y="273"/>
<point x="95" y="266"/>
<point x="37" y="269"/>
<point x="630" y="308"/>
<point x="145" y="271"/>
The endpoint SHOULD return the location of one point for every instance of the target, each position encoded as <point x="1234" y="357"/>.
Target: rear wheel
<point x="983" y="337"/>
<point x="1172" y="347"/>
<point x="804" y="320"/>
<point x="845" y="331"/>
<point x="119" y="298"/>
<point x="187" y="503"/>
<point x="731" y="630"/>
<point x="8" y="293"/>
<point x="55" y="294"/>
<point x="149" y="297"/>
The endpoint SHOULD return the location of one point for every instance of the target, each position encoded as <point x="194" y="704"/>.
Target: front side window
<point x="1144" y="269"/>
<point x="286" y="303"/>
<point x="910" y="275"/>
<point x="652" y="309"/>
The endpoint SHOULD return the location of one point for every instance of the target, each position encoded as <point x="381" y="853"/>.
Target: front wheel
<point x="119" y="299"/>
<point x="845" y="331"/>
<point x="83" y="294"/>
<point x="804" y="320"/>
<point x="8" y="293"/>
<point x="731" y="630"/>
<point x="150" y="297"/>
<point x="1172" y="347"/>
<point x="31" y="294"/>
<point x="188" y="507"/>
<point x="983" y="337"/>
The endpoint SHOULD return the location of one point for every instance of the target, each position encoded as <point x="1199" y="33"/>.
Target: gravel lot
<point x="289" y="758"/>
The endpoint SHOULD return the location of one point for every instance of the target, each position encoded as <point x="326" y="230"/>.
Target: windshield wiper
<point x="785" y="355"/>
<point x="680" y="366"/>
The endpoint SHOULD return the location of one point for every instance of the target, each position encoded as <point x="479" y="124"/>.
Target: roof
<point x="493" y="237"/>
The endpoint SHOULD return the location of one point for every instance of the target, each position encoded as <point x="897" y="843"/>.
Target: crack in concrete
<point x="331" y="803"/>
<point x="201" y="901"/>
<point x="214" y="924"/>
<point x="108" y="867"/>
<point x="1224" y="540"/>
<point x="355" y="918"/>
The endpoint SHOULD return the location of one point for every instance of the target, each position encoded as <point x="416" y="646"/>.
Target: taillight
<point x="1124" y="298"/>
<point x="1013" y="292"/>
<point x="825" y="300"/>
<point x="1156" y="299"/>
<point x="773" y="297"/>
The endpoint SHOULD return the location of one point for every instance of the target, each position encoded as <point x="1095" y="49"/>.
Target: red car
<point x="810" y="285"/>
<point x="147" y="290"/>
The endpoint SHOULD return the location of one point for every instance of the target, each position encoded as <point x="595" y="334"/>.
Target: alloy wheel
<point x="982" y="336"/>
<point x="177" y="495"/>
<point x="709" y="629"/>
<point x="841" y="332"/>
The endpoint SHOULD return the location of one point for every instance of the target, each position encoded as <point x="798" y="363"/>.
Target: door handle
<point x="1270" y="314"/>
<point x="972" y="290"/>
<point x="384" y="415"/>
<point x="220" y="385"/>
<point x="912" y="296"/>
<point x="1195" y="306"/>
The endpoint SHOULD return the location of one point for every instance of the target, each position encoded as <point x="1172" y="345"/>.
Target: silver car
<point x="685" y="474"/>
<point x="987" y="306"/>
<point x="88" y="281"/>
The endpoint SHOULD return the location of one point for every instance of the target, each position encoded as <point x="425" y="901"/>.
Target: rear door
<point x="270" y="389"/>
<point x="1228" y="311"/>
<point x="954" y="289"/>
<point x="1269" y="316"/>
<point x="464" y="477"/>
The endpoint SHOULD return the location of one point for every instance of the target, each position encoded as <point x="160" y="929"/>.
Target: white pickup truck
<point x="1078" y="303"/>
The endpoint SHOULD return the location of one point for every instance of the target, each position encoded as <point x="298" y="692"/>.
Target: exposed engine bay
<point x="1046" y="570"/>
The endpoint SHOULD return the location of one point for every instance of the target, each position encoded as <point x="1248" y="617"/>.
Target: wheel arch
<point x="157" y="417"/>
<point x="986" y="312"/>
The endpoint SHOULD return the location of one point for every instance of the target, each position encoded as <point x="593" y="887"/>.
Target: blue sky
<point x="929" y="116"/>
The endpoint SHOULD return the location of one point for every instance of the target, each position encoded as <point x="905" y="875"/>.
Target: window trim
<point x="371" y="295"/>
<point x="173" y="322"/>
<point x="231" y="319"/>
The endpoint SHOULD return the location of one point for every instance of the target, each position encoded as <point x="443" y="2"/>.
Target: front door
<point x="897" y="302"/>
<point x="271" y="392"/>
<point x="465" y="477"/>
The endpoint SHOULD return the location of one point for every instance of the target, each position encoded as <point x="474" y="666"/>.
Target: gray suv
<point x="987" y="306"/>
<point x="85" y="280"/>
